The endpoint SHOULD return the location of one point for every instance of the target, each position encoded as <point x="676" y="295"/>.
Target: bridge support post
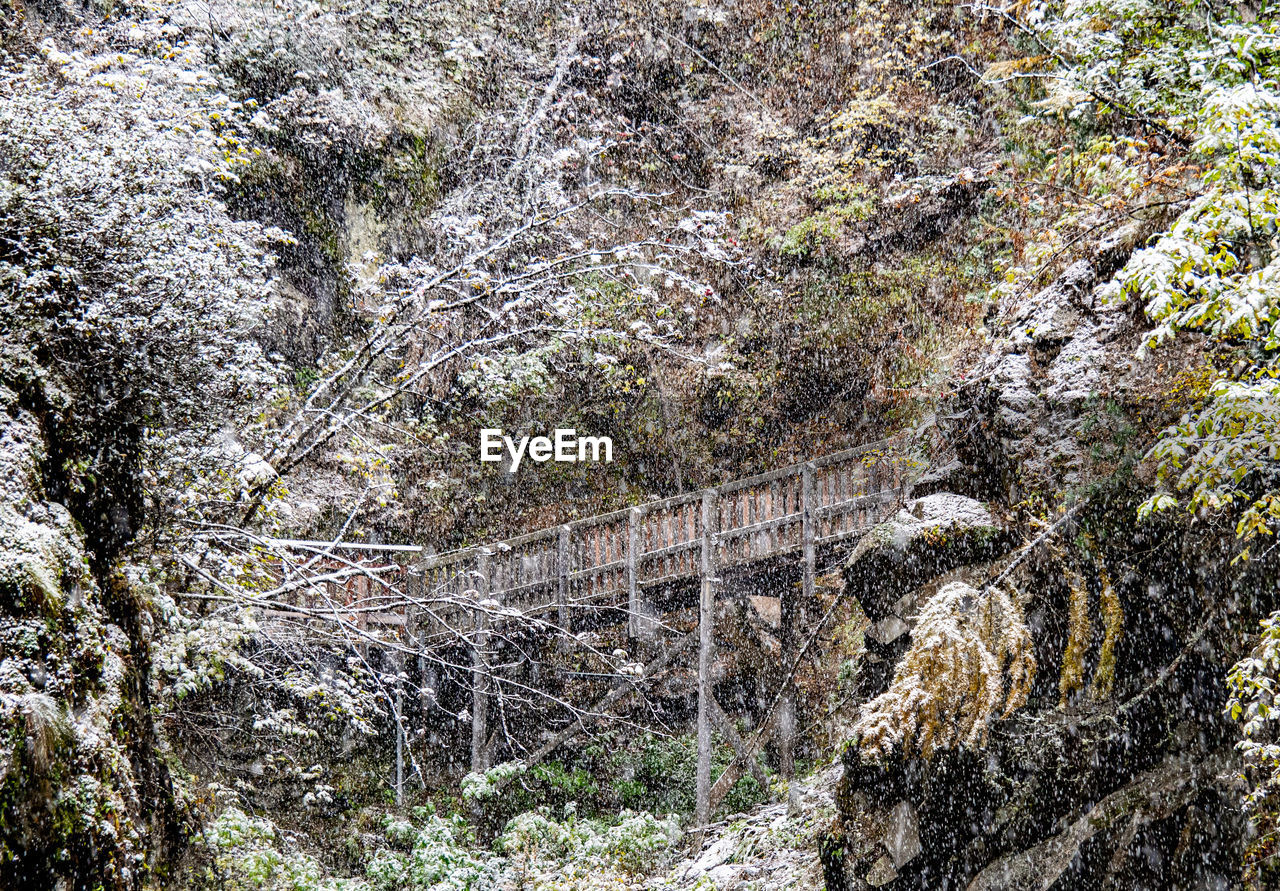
<point x="706" y="641"/>
<point x="399" y="663"/>
<point x="789" y="618"/>
<point x="479" y="671"/>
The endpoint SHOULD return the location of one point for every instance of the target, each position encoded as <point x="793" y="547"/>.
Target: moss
<point x="411" y="179"/>
<point x="1079" y="638"/>
<point x="971" y="660"/>
<point x="1104" y="676"/>
<point x="842" y="202"/>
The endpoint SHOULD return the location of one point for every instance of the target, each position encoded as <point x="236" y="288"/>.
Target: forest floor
<point x="772" y="847"/>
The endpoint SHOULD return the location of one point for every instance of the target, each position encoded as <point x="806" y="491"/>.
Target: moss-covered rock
<point x="83" y="791"/>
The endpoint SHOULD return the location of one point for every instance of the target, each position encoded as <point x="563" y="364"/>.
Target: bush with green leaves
<point x="1179" y="78"/>
<point x="659" y="774"/>
<point x="431" y="853"/>
<point x="426" y="852"/>
<point x="252" y="854"/>
<point x="1216" y="271"/>
<point x="1253" y="684"/>
<point x="552" y="850"/>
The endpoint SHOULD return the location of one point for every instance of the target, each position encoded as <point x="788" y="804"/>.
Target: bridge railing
<point x="603" y="561"/>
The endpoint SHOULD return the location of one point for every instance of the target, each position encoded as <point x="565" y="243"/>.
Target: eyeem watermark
<point x="565" y="446"/>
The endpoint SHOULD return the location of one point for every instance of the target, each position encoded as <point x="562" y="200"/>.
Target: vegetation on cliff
<point x="266" y="270"/>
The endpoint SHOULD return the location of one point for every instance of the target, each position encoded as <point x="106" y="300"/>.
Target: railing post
<point x="808" y="531"/>
<point x="479" y="671"/>
<point x="706" y="621"/>
<point x="562" y="586"/>
<point x="631" y="562"/>
<point x="775" y="512"/>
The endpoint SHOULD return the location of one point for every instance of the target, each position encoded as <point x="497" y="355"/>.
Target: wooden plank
<point x="665" y="537"/>
<point x="756" y="528"/>
<point x="620" y="577"/>
<point x="687" y="563"/>
<point x="826" y="497"/>
<point x="877" y="498"/>
<point x="841" y="473"/>
<point x="591" y="560"/>
<point x="653" y="526"/>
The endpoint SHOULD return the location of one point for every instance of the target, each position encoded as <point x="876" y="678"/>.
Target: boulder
<point x="930" y="536"/>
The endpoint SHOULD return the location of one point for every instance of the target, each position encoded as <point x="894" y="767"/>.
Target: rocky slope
<point x="772" y="847"/>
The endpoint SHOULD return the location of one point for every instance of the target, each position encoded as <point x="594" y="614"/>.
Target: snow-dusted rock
<point x="41" y="551"/>
<point x="1077" y="371"/>
<point x="932" y="513"/>
<point x="903" y="838"/>
<point x="1052" y="317"/>
<point x="930" y="536"/>
<point x="773" y="847"/>
<point x="1064" y="352"/>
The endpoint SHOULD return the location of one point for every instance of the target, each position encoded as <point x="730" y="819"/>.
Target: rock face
<point x="82" y="788"/>
<point x="1115" y="770"/>
<point x="1033" y="412"/>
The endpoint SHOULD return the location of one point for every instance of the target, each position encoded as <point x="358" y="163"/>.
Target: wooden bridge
<point x="612" y="561"/>
<point x="634" y="565"/>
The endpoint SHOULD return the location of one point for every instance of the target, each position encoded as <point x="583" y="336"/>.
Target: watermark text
<point x="565" y="445"/>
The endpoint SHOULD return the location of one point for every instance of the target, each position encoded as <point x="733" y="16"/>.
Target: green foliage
<point x="843" y="202"/>
<point x="659" y="774"/>
<point x="645" y="773"/>
<point x="482" y="787"/>
<point x="565" y="784"/>
<point x="1215" y="271"/>
<point x="1252" y="687"/>
<point x="251" y="854"/>
<point x="633" y="843"/>
<point x="430" y="852"/>
<point x="426" y="852"/>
